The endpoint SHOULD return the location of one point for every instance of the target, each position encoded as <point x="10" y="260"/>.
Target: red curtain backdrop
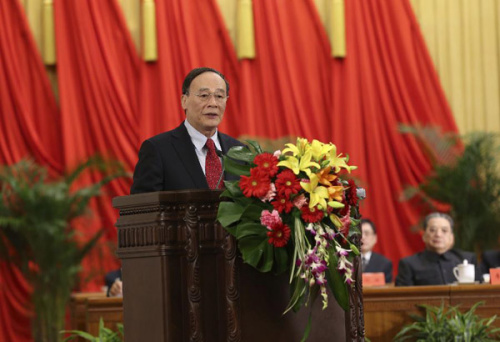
<point x="110" y="101"/>
<point x="29" y="127"/>
<point x="285" y="90"/>
<point x="387" y="78"/>
<point x="190" y="34"/>
<point x="98" y="73"/>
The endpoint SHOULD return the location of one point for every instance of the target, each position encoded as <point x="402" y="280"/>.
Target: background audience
<point x="114" y="283"/>
<point x="434" y="265"/>
<point x="490" y="259"/>
<point x="373" y="262"/>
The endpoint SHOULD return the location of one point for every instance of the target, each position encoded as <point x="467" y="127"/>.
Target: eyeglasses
<point x="205" y="97"/>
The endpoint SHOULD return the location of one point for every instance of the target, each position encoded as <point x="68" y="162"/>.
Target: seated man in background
<point x="372" y="261"/>
<point x="114" y="283"/>
<point x="434" y="265"/>
<point x="490" y="259"/>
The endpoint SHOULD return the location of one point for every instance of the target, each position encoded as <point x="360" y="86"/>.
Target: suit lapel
<point x="187" y="154"/>
<point x="371" y="262"/>
<point x="224" y="144"/>
<point x="370" y="267"/>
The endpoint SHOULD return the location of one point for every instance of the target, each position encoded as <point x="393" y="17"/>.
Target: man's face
<point x="368" y="238"/>
<point x="205" y="114"/>
<point x="438" y="236"/>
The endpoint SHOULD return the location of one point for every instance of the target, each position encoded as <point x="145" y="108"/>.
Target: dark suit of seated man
<point x="434" y="265"/>
<point x="178" y="159"/>
<point x="490" y="259"/>
<point x="113" y="280"/>
<point x="373" y="262"/>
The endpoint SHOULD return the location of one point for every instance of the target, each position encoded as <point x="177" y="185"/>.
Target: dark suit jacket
<point x="379" y="263"/>
<point x="111" y="277"/>
<point x="490" y="259"/>
<point x="429" y="268"/>
<point x="168" y="161"/>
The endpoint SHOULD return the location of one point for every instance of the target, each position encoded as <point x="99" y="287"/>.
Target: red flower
<point x="346" y="225"/>
<point x="267" y="163"/>
<point x="257" y="184"/>
<point x="345" y="210"/>
<point x="279" y="235"/>
<point x="311" y="215"/>
<point x="282" y="203"/>
<point x="351" y="194"/>
<point x="287" y="183"/>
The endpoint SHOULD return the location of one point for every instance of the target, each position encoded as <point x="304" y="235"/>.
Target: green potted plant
<point x="440" y="324"/>
<point x="465" y="177"/>
<point x="105" y="334"/>
<point x="37" y="233"/>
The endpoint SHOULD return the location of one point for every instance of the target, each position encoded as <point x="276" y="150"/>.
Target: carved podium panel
<point x="184" y="280"/>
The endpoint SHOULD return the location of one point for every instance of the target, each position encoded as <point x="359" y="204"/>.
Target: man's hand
<point x="116" y="289"/>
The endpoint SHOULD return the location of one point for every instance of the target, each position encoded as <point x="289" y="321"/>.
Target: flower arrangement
<point x="292" y="210"/>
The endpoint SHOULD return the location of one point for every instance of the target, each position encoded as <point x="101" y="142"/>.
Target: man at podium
<point x="189" y="156"/>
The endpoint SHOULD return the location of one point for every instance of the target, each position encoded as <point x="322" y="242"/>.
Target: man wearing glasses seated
<point x="434" y="265"/>
<point x="371" y="261"/>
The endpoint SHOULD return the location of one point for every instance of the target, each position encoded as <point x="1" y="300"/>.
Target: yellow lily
<point x="337" y="161"/>
<point x="297" y="150"/>
<point x="317" y="194"/>
<point x="302" y="164"/>
<point x="319" y="150"/>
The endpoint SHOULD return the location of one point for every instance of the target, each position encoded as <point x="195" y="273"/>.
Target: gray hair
<point x="438" y="215"/>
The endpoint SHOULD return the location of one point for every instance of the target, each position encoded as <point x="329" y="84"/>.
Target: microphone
<point x="220" y="155"/>
<point x="361" y="193"/>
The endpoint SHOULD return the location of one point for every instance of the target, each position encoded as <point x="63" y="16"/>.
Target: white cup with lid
<point x="464" y="272"/>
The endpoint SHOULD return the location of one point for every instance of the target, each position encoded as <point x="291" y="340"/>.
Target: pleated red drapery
<point x="110" y="101"/>
<point x="285" y="89"/>
<point x="293" y="87"/>
<point x="30" y="123"/>
<point x="98" y="77"/>
<point x="29" y="127"/>
<point x="387" y="78"/>
<point x="190" y="34"/>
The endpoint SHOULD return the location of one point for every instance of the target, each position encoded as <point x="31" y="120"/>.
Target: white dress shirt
<point x="199" y="141"/>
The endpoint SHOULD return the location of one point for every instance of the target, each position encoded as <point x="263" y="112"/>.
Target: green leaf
<point x="253" y="249"/>
<point x="250" y="228"/>
<point x="232" y="189"/>
<point x="241" y="153"/>
<point x="254" y="210"/>
<point x="229" y="213"/>
<point x="307" y="331"/>
<point x="255" y="145"/>
<point x="298" y="289"/>
<point x="235" y="167"/>
<point x="280" y="260"/>
<point x="267" y="260"/>
<point x="336" y="281"/>
<point x="78" y="333"/>
<point x="87" y="247"/>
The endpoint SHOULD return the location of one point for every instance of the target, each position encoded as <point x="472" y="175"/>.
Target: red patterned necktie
<point x="213" y="167"/>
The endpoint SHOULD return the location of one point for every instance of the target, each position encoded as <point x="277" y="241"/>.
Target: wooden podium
<point x="184" y="280"/>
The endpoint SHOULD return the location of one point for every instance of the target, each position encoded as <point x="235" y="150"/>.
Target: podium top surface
<point x="167" y="197"/>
